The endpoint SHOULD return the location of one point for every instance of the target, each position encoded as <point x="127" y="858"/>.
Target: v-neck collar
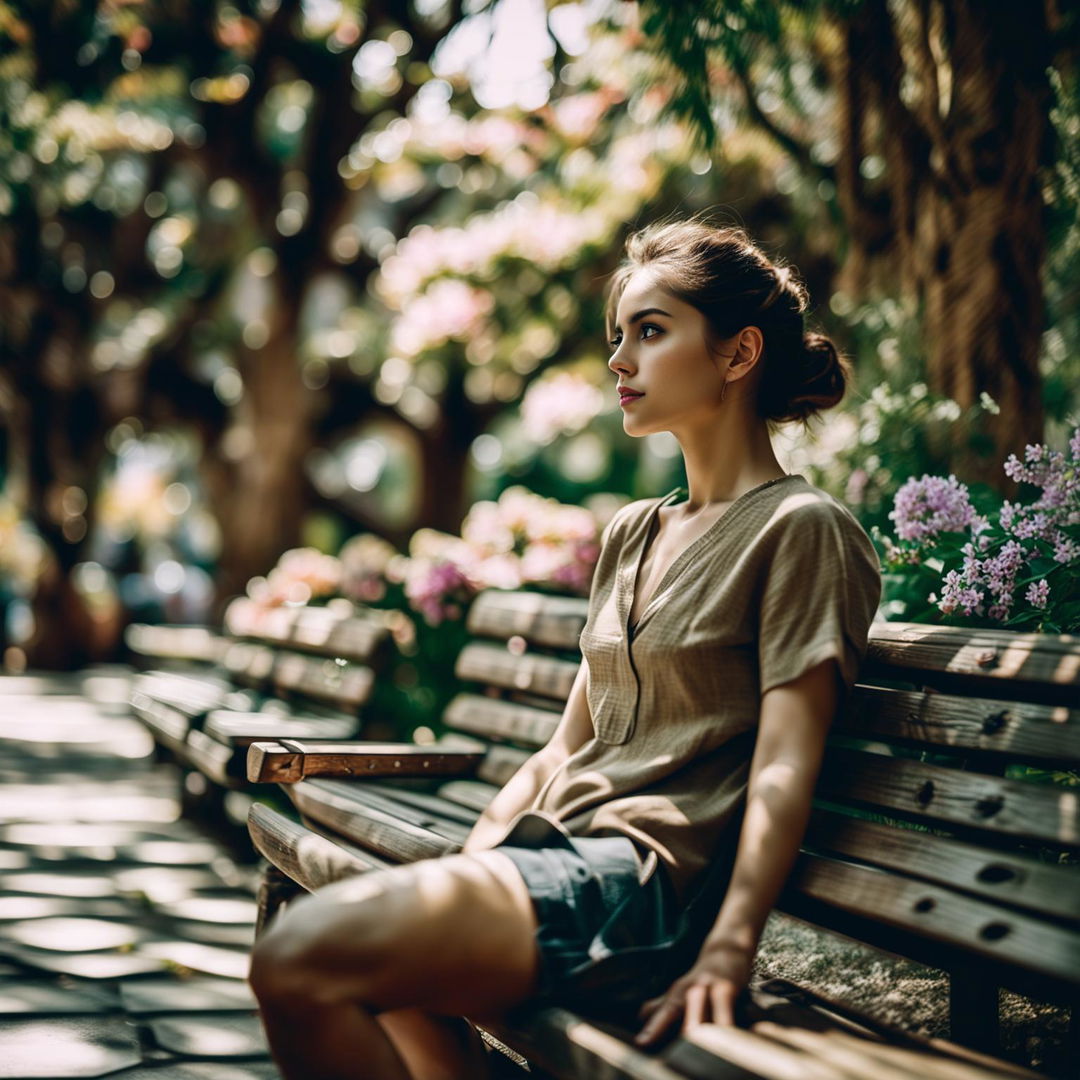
<point x="628" y="574"/>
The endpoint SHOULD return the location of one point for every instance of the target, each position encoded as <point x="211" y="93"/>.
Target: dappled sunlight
<point x="74" y="935"/>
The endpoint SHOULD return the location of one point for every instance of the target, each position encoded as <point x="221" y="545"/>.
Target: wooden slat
<point x="249" y="663"/>
<point x="221" y="763"/>
<point x="1047" y="735"/>
<point x="500" y="763"/>
<point x="551" y="621"/>
<point x="310" y="860"/>
<point x="1022" y="666"/>
<point x="980" y="929"/>
<point x="325" y="631"/>
<point x="993" y="875"/>
<point x="198" y="644"/>
<point x="191" y="695"/>
<point x="494" y="718"/>
<point x="568" y="1046"/>
<point x="287" y="761"/>
<point x="346" y="685"/>
<point x="168" y="726"/>
<point x="244" y="728"/>
<point x="474" y="794"/>
<point x="784" y="1002"/>
<point x="952" y="798"/>
<point x="536" y="674"/>
<point x="394" y="831"/>
<point x="429" y="803"/>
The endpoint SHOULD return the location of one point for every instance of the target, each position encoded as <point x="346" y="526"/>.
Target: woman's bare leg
<point x="452" y="936"/>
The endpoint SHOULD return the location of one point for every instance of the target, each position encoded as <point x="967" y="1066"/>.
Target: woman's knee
<point x="305" y="955"/>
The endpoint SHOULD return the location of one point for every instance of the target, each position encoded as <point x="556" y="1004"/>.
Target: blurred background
<point x="316" y="278"/>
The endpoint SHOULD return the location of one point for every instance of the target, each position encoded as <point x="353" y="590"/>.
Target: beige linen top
<point x="784" y="579"/>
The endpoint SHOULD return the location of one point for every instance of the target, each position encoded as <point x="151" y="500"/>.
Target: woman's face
<point x="667" y="377"/>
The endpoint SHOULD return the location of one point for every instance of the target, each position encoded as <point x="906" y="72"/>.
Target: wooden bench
<point x="955" y="870"/>
<point x="286" y="672"/>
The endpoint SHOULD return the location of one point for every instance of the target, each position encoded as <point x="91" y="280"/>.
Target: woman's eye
<point x="649" y="326"/>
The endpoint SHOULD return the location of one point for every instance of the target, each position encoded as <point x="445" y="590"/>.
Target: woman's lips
<point x="626" y="396"/>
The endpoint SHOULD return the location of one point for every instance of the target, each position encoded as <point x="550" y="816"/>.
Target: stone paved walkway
<point x="124" y="931"/>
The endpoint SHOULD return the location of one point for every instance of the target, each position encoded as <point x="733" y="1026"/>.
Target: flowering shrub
<point x="301" y="575"/>
<point x="364" y="561"/>
<point x="522" y="540"/>
<point x="1020" y="571"/>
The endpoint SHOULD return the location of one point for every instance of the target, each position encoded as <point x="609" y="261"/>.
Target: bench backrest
<point x="939" y="831"/>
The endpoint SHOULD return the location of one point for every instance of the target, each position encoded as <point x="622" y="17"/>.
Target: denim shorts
<point x="612" y="932"/>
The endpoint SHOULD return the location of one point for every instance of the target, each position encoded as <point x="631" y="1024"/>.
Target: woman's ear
<point x="749" y="345"/>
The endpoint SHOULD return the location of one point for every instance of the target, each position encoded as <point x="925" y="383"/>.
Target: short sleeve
<point x="821" y="592"/>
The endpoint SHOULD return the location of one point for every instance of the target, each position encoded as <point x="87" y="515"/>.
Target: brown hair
<point x="721" y="272"/>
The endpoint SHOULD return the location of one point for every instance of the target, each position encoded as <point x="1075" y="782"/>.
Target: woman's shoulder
<point x="804" y="514"/>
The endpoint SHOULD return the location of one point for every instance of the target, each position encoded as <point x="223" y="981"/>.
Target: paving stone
<point x="81" y="833"/>
<point x="13" y="859"/>
<point x="43" y="997"/>
<point x="86" y="802"/>
<point x="213" y="909"/>
<point x="206" y="1070"/>
<point x="162" y="884"/>
<point x="208" y="959"/>
<point x="73" y="883"/>
<point x="173" y="995"/>
<point x="40" y="907"/>
<point x="69" y="935"/>
<point x="211" y="1035"/>
<point x="102" y="965"/>
<point x="56" y="1048"/>
<point x="204" y="933"/>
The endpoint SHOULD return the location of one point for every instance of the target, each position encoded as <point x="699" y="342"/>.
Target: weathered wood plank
<point x="983" y="930"/>
<point x="309" y="860"/>
<point x="249" y="664"/>
<point x="346" y="685"/>
<point x="996" y="876"/>
<point x="397" y="832"/>
<point x="1025" y="666"/>
<point x="494" y="718"/>
<point x="244" y="728"/>
<point x="198" y="644"/>
<point x="949" y="797"/>
<point x="501" y="763"/>
<point x="1029" y="733"/>
<point x="532" y="672"/>
<point x="551" y="621"/>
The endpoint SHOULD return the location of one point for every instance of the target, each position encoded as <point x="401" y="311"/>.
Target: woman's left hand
<point x="705" y="994"/>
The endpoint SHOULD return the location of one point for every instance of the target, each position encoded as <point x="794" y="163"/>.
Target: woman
<point x="632" y="862"/>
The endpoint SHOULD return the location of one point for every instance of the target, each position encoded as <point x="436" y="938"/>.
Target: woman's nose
<point x="619" y="362"/>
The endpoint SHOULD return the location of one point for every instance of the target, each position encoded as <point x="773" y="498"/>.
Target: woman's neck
<point x="725" y="460"/>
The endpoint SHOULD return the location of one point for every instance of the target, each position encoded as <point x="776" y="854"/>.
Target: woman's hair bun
<point x="822" y="380"/>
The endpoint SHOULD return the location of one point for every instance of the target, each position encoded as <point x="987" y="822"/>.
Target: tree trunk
<point x="953" y="95"/>
<point x="256" y="480"/>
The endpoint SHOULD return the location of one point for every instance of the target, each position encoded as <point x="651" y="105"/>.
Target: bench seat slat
<point x="324" y="631"/>
<point x="1010" y="941"/>
<point x="1041" y="888"/>
<point x="310" y="860"/>
<point x="1028" y="733"/>
<point x="168" y="725"/>
<point x="474" y="794"/>
<point x="950" y="798"/>
<point x="387" y="828"/>
<point x="221" y="763"/>
<point x="533" y="673"/>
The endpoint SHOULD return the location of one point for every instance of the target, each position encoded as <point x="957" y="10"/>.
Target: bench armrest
<point x="285" y="761"/>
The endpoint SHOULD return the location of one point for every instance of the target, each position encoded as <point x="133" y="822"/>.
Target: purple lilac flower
<point x="931" y="505"/>
<point x="1037" y="593"/>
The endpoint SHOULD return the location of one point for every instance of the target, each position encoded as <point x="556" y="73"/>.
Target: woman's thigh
<point x="454" y="935"/>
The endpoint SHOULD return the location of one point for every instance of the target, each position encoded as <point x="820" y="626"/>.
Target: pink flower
<point x="931" y="505"/>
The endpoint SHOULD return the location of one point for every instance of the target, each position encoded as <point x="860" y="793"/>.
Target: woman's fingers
<point x="723" y="1004"/>
<point x="697" y="1005"/>
<point x="669" y="1011"/>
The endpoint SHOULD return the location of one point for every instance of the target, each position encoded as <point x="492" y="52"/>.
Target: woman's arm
<point x="573" y="731"/>
<point x="795" y="719"/>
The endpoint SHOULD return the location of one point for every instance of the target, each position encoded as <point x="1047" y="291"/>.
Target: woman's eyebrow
<point x="646" y="311"/>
